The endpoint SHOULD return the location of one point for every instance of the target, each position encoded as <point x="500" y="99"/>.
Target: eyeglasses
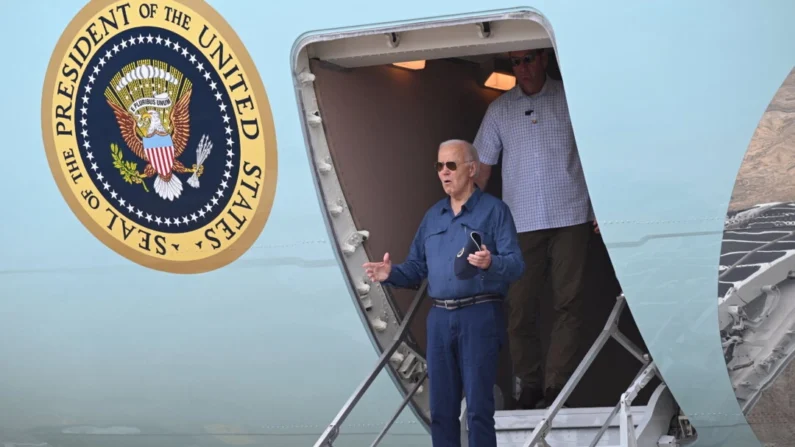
<point x="527" y="59"/>
<point x="451" y="165"/>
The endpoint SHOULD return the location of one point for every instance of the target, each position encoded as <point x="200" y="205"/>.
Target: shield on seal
<point x="160" y="152"/>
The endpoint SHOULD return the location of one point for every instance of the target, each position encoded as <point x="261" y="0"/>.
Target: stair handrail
<point x="623" y="406"/>
<point x="610" y="330"/>
<point x="331" y="432"/>
<point x="400" y="408"/>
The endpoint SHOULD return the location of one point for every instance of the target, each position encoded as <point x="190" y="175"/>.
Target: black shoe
<point x="529" y="398"/>
<point x="550" y="394"/>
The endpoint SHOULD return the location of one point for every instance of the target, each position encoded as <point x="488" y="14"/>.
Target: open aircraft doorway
<point x="756" y="280"/>
<point x="376" y="104"/>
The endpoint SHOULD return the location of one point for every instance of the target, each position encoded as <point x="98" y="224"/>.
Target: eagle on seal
<point x="148" y="138"/>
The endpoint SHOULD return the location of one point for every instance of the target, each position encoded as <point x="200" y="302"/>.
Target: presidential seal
<point x="159" y="133"/>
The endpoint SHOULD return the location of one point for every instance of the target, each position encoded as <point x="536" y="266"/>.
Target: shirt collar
<point x="470" y="203"/>
<point x="518" y="93"/>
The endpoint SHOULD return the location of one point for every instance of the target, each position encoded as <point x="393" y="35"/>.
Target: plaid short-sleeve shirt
<point x="542" y="178"/>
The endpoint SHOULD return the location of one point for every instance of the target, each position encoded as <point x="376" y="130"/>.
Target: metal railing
<point x="647" y="372"/>
<point x="332" y="431"/>
<point x="538" y="437"/>
<point x="638" y="382"/>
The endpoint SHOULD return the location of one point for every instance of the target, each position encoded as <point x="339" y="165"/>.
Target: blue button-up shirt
<point x="442" y="235"/>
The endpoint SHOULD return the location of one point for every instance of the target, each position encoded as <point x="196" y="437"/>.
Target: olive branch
<point x="127" y="169"/>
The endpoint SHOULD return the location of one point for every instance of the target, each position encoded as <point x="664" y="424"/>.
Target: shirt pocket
<point x="432" y="239"/>
<point x="485" y="234"/>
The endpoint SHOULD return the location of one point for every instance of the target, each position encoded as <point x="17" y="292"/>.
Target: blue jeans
<point x="463" y="349"/>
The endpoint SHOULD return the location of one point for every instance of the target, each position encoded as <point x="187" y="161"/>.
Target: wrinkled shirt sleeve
<point x="509" y="264"/>
<point x="414" y="269"/>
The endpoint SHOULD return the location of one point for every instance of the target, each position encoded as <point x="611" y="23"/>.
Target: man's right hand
<point x="378" y="271"/>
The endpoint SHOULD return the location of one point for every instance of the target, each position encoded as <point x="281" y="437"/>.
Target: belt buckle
<point x="447" y="304"/>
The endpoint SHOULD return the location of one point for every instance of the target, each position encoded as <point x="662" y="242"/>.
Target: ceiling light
<point x="500" y="81"/>
<point x="411" y="65"/>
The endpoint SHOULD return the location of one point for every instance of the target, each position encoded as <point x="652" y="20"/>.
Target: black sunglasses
<point x="527" y="58"/>
<point x="451" y="165"/>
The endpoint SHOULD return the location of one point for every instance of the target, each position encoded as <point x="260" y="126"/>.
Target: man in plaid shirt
<point x="544" y="186"/>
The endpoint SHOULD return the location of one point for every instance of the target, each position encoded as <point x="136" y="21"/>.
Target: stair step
<point x="566" y="418"/>
<point x="571" y="427"/>
<point x="577" y="427"/>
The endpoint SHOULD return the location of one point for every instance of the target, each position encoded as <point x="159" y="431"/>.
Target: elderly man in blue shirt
<point x="467" y="246"/>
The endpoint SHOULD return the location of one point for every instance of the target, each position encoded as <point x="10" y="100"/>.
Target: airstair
<point x="656" y="424"/>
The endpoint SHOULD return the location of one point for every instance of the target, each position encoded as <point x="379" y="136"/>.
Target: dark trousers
<point x="463" y="348"/>
<point x="560" y="252"/>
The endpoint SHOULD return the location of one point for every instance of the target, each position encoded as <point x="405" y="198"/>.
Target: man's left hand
<point x="480" y="259"/>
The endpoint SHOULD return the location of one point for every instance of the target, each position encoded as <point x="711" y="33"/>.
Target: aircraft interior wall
<point x="383" y="126"/>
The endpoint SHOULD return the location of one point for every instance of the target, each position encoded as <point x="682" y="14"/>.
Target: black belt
<point x="464" y="302"/>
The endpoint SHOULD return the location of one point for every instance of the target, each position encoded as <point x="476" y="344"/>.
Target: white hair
<point x="471" y="151"/>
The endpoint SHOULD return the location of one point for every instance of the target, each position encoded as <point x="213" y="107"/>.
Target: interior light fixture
<point x="411" y="65"/>
<point x="500" y="81"/>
